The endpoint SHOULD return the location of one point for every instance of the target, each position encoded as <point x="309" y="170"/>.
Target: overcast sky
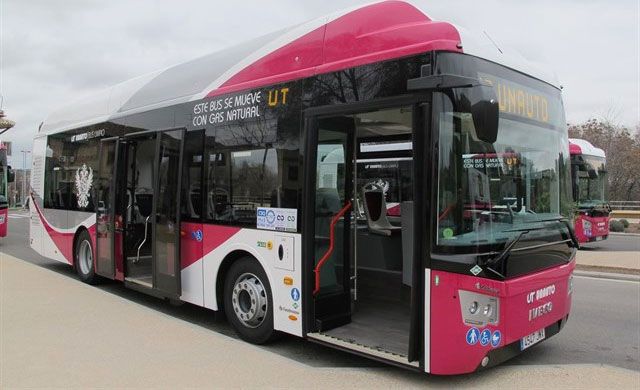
<point x="54" y="51"/>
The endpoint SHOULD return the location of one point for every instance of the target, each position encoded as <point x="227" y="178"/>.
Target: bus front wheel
<point x="248" y="303"/>
<point x="83" y="258"/>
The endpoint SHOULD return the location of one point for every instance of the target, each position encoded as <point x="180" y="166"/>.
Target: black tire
<point x="253" y="328"/>
<point x="82" y="248"/>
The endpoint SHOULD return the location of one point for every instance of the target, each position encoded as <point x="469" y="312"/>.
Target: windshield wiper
<point x="501" y="258"/>
<point x="564" y="221"/>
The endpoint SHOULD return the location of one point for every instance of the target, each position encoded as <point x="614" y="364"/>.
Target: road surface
<point x="603" y="328"/>
<point x="615" y="242"/>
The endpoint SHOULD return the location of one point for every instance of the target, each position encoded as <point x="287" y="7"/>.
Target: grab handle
<point x="329" y="251"/>
<point x="146" y="226"/>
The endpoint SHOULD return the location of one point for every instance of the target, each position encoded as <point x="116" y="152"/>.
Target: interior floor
<point x="380" y="317"/>
<point x="140" y="269"/>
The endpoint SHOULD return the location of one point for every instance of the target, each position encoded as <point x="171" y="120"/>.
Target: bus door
<point x="364" y="228"/>
<point x="150" y="202"/>
<point x="105" y="215"/>
<point x="332" y="197"/>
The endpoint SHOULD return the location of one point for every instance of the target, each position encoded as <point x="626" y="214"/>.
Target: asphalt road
<point x="615" y="242"/>
<point x="604" y="326"/>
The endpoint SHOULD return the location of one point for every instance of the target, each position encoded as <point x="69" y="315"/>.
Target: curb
<point x="624" y="234"/>
<point x="608" y="275"/>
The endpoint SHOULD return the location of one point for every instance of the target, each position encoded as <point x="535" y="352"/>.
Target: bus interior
<point x="366" y="160"/>
<point x="139" y="208"/>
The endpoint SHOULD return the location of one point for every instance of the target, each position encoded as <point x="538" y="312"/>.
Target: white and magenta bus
<point x="255" y="181"/>
<point x="6" y="176"/>
<point x="589" y="186"/>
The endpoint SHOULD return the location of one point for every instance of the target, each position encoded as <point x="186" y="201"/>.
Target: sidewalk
<point x="57" y="332"/>
<point x="609" y="261"/>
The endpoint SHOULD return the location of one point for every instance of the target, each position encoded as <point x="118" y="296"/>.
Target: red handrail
<point x="329" y="251"/>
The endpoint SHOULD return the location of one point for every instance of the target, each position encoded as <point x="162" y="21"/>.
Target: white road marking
<point x="606" y="279"/>
<point x="18" y="216"/>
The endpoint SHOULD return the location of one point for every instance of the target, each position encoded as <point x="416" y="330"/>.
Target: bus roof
<point x="581" y="146"/>
<point x="351" y="37"/>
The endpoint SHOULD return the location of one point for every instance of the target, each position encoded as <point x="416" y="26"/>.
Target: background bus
<point x="6" y="177"/>
<point x="256" y="181"/>
<point x="589" y="185"/>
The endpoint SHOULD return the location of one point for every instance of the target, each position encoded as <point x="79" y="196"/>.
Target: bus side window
<point x="242" y="171"/>
<point x="191" y="203"/>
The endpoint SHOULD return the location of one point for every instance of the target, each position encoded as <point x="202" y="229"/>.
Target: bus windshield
<point x="488" y="193"/>
<point x="591" y="181"/>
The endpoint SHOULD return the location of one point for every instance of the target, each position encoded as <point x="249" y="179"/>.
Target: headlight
<point x="479" y="309"/>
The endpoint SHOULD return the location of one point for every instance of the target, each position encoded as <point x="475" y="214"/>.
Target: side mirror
<point x="481" y="101"/>
<point x="11" y="175"/>
<point x="471" y="95"/>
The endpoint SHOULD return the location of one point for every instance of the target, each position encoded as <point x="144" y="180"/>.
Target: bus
<point x="255" y="181"/>
<point x="589" y="187"/>
<point x="6" y="177"/>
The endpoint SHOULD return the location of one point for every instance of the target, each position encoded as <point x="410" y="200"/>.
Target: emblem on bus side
<point x="84" y="181"/>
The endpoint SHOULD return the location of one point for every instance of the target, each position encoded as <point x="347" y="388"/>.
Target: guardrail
<point x="624" y="205"/>
<point x="631" y="214"/>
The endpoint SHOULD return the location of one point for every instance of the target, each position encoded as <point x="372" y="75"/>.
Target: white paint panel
<point x="191" y="283"/>
<point x="36" y="230"/>
<point x="48" y="247"/>
<point x="479" y="45"/>
<point x="37" y="186"/>
<point x="247" y="240"/>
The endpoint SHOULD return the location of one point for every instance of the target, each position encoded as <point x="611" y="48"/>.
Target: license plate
<point x="531" y="339"/>
<point x="599" y="238"/>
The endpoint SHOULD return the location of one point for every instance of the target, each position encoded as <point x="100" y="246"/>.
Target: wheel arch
<point x="79" y="231"/>
<point x="225" y="265"/>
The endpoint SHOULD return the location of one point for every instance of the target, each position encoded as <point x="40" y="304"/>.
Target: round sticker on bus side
<point x="485" y="336"/>
<point x="295" y="294"/>
<point x="472" y="336"/>
<point x="495" y="338"/>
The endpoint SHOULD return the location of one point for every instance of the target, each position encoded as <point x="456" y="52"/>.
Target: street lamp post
<point x="24" y="174"/>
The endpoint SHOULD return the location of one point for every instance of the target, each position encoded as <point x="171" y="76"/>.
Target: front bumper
<point x="500" y="355"/>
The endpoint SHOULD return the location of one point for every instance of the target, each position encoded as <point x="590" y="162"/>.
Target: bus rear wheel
<point x="248" y="303"/>
<point x="83" y="258"/>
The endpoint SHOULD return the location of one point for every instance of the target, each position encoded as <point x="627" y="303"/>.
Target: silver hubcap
<point x="249" y="300"/>
<point x="85" y="257"/>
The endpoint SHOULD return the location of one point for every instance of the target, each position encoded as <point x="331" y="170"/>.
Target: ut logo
<point x="277" y="96"/>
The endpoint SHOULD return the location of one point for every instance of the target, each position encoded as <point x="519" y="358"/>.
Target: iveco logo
<point x="484" y="287"/>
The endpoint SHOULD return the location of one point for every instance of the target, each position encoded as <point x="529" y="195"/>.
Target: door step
<point x="134" y="258"/>
<point x="332" y="321"/>
<point x="145" y="281"/>
<point x="363" y="349"/>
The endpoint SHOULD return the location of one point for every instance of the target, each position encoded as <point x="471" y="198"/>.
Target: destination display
<point x="522" y="101"/>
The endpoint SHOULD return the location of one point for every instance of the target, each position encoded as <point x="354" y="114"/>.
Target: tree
<point x="622" y="148"/>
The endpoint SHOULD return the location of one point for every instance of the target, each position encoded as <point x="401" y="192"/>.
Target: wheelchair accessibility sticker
<point x="485" y="336"/>
<point x="285" y="220"/>
<point x="197" y="235"/>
